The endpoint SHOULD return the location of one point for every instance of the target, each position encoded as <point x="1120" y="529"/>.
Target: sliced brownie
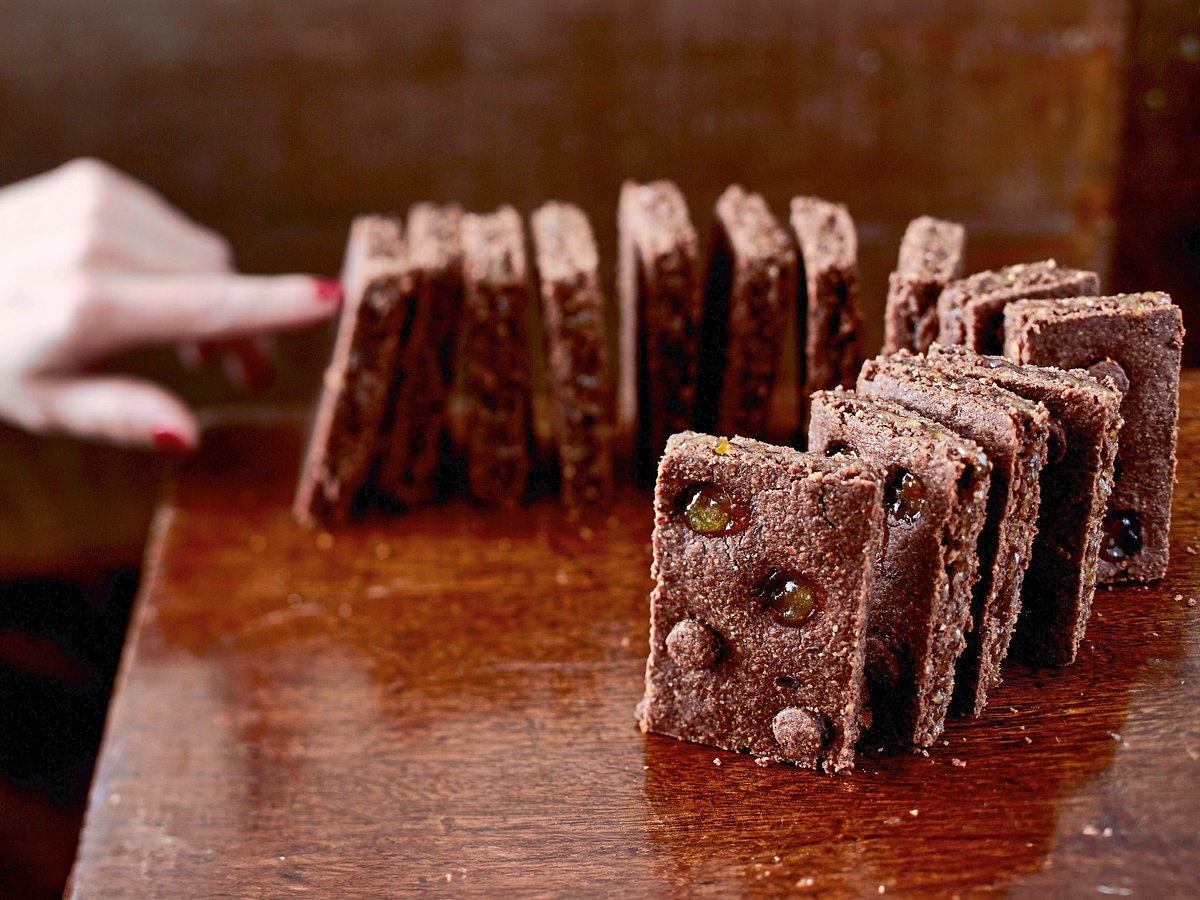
<point x="416" y="428"/>
<point x="1137" y="338"/>
<point x="380" y="297"/>
<point x="1075" y="483"/>
<point x="931" y="256"/>
<point x="750" y="293"/>
<point x="1013" y="433"/>
<point x="659" y="304"/>
<point x="763" y="560"/>
<point x="832" y="327"/>
<point x="497" y="356"/>
<point x="935" y="495"/>
<point x="971" y="310"/>
<point x="573" y="313"/>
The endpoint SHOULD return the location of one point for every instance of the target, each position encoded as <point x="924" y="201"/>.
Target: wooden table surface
<point x="443" y="702"/>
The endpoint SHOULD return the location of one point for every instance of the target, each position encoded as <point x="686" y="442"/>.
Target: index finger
<point x="127" y="310"/>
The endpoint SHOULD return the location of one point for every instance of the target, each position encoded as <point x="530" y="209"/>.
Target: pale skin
<point x="94" y="262"/>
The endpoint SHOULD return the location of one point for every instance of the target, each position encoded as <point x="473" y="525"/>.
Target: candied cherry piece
<point x="711" y="510"/>
<point x="792" y="600"/>
<point x="1122" y="535"/>
<point x="905" y="497"/>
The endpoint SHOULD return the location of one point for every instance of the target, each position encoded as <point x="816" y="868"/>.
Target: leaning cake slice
<point x="1075" y="483"/>
<point x="380" y="297"/>
<point x="971" y="310"/>
<point x="576" y="355"/>
<point x="1138" y="339"/>
<point x="749" y="296"/>
<point x="931" y="256"/>
<point x="832" y="327"/>
<point x="763" y="561"/>
<point x="1013" y="433"/>
<point x="497" y="356"/>
<point x="935" y="493"/>
<point x="659" y="308"/>
<point x="417" y="421"/>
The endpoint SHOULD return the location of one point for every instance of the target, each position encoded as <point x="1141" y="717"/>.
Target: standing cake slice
<point x="831" y="324"/>
<point x="750" y="294"/>
<point x="1013" y="434"/>
<point x="573" y="313"/>
<point x="763" y="560"/>
<point x="931" y="256"/>
<point x="1138" y="339"/>
<point x="497" y="381"/>
<point x="1075" y="484"/>
<point x="971" y="310"/>
<point x="935" y="495"/>
<point x="417" y="422"/>
<point x="379" y="291"/>
<point x="659" y="305"/>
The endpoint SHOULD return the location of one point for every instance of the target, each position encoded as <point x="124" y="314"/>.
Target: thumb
<point x="116" y="410"/>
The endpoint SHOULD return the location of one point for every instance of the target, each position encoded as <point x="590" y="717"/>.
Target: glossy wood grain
<point x="443" y="702"/>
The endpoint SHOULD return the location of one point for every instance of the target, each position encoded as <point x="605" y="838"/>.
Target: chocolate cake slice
<point x="416" y="425"/>
<point x="971" y="310"/>
<point x="750" y="294"/>
<point x="1138" y="339"/>
<point x="1013" y="433"/>
<point x="577" y="357"/>
<point x="1075" y="484"/>
<point x="935" y="496"/>
<point x="831" y="326"/>
<point x="659" y="305"/>
<point x="378" y="286"/>
<point x="497" y="356"/>
<point x="931" y="256"/>
<point x="763" y="561"/>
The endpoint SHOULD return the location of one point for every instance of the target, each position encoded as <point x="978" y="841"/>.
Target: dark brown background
<point x="1068" y="131"/>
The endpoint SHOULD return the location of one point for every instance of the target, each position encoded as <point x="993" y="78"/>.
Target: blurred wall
<point x="276" y="121"/>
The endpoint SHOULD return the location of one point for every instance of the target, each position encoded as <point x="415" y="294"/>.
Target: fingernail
<point x="170" y="442"/>
<point x="329" y="290"/>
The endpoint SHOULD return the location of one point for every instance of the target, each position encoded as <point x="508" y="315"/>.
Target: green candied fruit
<point x="709" y="510"/>
<point x="792" y="600"/>
<point x="904" y="497"/>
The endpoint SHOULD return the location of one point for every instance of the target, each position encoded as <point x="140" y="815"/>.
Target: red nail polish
<point x="170" y="442"/>
<point x="329" y="290"/>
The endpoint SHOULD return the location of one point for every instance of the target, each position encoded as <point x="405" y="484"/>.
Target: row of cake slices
<point x="440" y="307"/>
<point x="952" y="503"/>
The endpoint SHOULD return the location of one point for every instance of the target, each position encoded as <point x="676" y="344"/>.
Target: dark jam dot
<point x="791" y="599"/>
<point x="905" y="497"/>
<point x="835" y="449"/>
<point x="1122" y="535"/>
<point x="710" y="510"/>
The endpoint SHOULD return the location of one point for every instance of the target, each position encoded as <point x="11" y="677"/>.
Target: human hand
<point x="93" y="262"/>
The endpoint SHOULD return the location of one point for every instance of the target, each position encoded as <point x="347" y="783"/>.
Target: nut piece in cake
<point x="1013" y="433"/>
<point x="659" y="307"/>
<point x="416" y="430"/>
<point x="935" y="494"/>
<point x="931" y="256"/>
<point x="1075" y="483"/>
<point x="763" y="562"/>
<point x="497" y="356"/>
<point x="576" y="353"/>
<point x="971" y="310"/>
<point x="1138" y="340"/>
<point x="749" y="298"/>
<point x="343" y="442"/>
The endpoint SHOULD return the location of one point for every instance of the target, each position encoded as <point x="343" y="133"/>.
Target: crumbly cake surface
<point x="1138" y="340"/>
<point x="931" y="256"/>
<point x="935" y="494"/>
<point x="757" y="619"/>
